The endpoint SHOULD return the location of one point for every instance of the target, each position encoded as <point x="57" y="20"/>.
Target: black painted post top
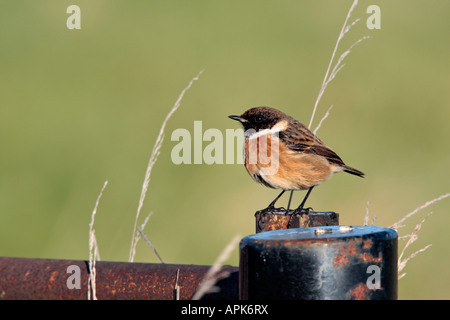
<point x="329" y="262"/>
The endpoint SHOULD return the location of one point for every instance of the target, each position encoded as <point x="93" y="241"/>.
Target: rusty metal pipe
<point x="25" y="279"/>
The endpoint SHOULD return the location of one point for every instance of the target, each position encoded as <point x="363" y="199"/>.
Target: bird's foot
<point x="298" y="211"/>
<point x="302" y="211"/>
<point x="272" y="209"/>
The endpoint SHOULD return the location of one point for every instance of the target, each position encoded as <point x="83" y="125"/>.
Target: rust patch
<point x="342" y="258"/>
<point x="304" y="220"/>
<point x="367" y="244"/>
<point x="360" y="292"/>
<point x="367" y="257"/>
<point x="353" y="249"/>
<point x="52" y="277"/>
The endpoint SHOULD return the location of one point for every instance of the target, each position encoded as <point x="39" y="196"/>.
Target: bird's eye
<point x="258" y="119"/>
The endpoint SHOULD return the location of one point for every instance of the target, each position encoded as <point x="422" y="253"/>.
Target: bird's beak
<point x="238" y="118"/>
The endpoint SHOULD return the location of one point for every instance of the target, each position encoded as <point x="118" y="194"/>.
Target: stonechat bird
<point x="302" y="160"/>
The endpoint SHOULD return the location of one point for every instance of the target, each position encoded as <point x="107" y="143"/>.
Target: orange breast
<point x="269" y="162"/>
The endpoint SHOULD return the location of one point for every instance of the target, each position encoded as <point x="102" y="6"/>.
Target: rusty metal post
<point x="278" y="219"/>
<point x="36" y="279"/>
<point x="335" y="262"/>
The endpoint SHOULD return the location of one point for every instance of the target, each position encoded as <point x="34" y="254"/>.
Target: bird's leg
<point x="272" y="204"/>
<point x="300" y="207"/>
<point x="289" y="203"/>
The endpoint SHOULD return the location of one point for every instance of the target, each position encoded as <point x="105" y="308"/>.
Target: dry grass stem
<point x="329" y="77"/>
<point x="323" y="118"/>
<point x="412" y="238"/>
<point x="410" y="257"/>
<point x="138" y="235"/>
<point x="367" y="215"/>
<point x="152" y="161"/>
<point x="212" y="276"/>
<point x="177" y="287"/>
<point x="93" y="249"/>
<point x="398" y="225"/>
<point x="339" y="64"/>
<point x="149" y="243"/>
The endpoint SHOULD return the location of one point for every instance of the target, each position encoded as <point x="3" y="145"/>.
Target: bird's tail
<point x="354" y="171"/>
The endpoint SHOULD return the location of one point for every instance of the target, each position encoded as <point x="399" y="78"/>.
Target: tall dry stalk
<point x="398" y="225"/>
<point x="94" y="254"/>
<point x="332" y="71"/>
<point x="413" y="236"/>
<point x="144" y="236"/>
<point x="151" y="162"/>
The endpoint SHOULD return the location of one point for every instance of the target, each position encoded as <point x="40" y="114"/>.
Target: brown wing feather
<point x="299" y="138"/>
<point x="325" y="152"/>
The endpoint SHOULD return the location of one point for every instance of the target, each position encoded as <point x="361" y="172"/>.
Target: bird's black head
<point x="260" y="118"/>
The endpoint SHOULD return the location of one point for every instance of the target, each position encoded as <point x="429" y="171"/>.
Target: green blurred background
<point x="78" y="107"/>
